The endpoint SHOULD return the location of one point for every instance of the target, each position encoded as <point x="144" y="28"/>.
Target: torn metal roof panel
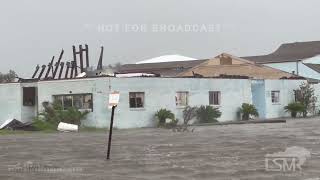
<point x="164" y="68"/>
<point x="289" y="52"/>
<point x="315" y="67"/>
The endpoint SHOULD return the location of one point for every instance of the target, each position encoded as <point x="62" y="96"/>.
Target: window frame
<point x="213" y="100"/>
<point x="29" y="91"/>
<point x="143" y="100"/>
<point x="297" y="95"/>
<point x="72" y="95"/>
<point x="187" y="99"/>
<point x="272" y="97"/>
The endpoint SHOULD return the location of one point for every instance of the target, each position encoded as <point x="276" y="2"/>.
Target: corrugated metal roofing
<point x="289" y="52"/>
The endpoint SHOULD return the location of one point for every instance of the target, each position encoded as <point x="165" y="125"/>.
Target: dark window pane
<point x="132" y="102"/>
<point x="58" y="100"/>
<point x="29" y="96"/>
<point x="67" y="102"/>
<point x="210" y="98"/>
<point x="139" y="102"/>
<point x="78" y="101"/>
<point x="87" y="102"/>
<point x="136" y="99"/>
<point x="214" y="97"/>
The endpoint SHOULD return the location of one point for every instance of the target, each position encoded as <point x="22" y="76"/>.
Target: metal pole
<point x="110" y="132"/>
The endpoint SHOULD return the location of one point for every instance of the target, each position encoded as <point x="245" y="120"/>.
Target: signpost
<point x="113" y="102"/>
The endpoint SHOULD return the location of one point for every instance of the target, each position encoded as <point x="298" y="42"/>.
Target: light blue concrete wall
<point x="28" y="113"/>
<point x="10" y="101"/>
<point x="304" y="70"/>
<point x="159" y="93"/>
<point x="286" y="87"/>
<point x="258" y="97"/>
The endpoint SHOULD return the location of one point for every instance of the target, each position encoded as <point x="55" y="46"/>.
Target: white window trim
<point x="187" y="100"/>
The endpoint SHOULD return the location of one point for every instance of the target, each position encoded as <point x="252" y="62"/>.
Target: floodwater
<point x="215" y="152"/>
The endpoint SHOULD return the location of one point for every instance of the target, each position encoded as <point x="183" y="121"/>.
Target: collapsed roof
<point x="164" y="69"/>
<point x="78" y="67"/>
<point x="228" y="65"/>
<point x="223" y="66"/>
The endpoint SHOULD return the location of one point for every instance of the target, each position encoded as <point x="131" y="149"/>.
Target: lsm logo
<point x="290" y="160"/>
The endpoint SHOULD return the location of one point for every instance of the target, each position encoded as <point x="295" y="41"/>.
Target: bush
<point x="188" y="114"/>
<point x="162" y="115"/>
<point x="295" y="108"/>
<point x="247" y="110"/>
<point x="306" y="96"/>
<point x="53" y="114"/>
<point x="207" y="114"/>
<point x="73" y="116"/>
<point x="42" y="125"/>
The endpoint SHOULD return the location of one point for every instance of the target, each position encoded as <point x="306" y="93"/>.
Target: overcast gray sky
<point x="33" y="31"/>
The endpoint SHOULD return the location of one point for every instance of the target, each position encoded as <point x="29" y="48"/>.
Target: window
<point x="182" y="99"/>
<point x="214" y="97"/>
<point x="275" y="96"/>
<point x="136" y="99"/>
<point x="79" y="101"/>
<point x="297" y="95"/>
<point x="29" y="96"/>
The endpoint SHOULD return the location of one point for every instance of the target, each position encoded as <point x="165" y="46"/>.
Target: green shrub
<point x="53" y="114"/>
<point x="207" y="114"/>
<point x="247" y="110"/>
<point x="295" y="108"/>
<point x="73" y="116"/>
<point x="188" y="114"/>
<point x="306" y="96"/>
<point x="42" y="125"/>
<point x="162" y="115"/>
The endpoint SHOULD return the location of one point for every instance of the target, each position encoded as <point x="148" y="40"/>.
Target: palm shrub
<point x="294" y="108"/>
<point x="207" y="114"/>
<point x="162" y="115"/>
<point x="248" y="109"/>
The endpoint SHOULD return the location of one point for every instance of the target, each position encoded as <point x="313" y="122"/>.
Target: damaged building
<point x="225" y="82"/>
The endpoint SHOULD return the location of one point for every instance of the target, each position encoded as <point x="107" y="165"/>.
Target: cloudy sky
<point x="32" y="31"/>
